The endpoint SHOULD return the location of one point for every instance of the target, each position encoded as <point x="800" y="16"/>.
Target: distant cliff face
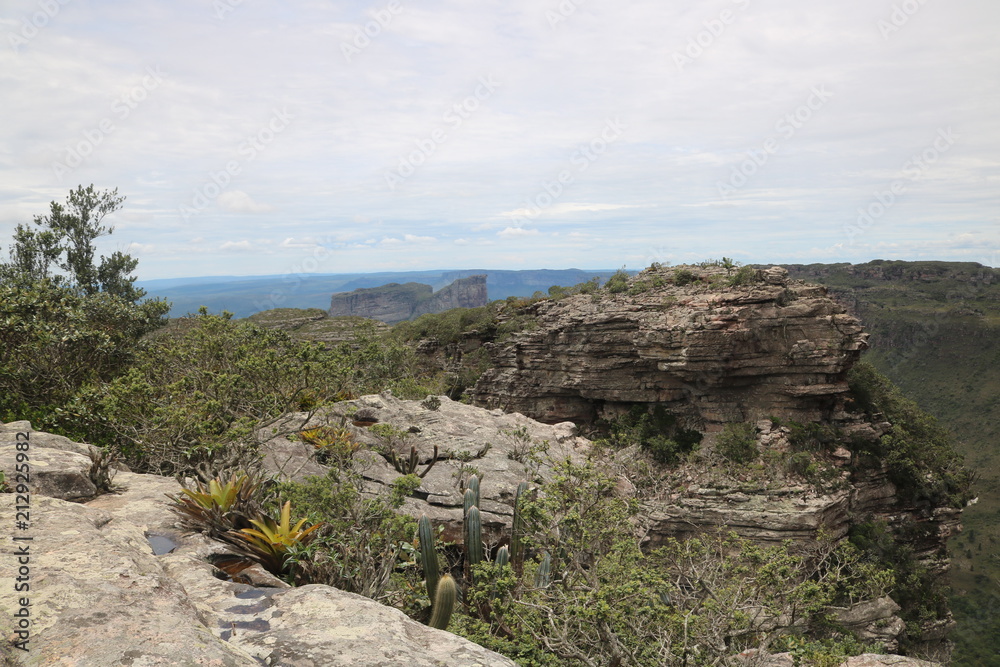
<point x="710" y="353"/>
<point x="395" y="303"/>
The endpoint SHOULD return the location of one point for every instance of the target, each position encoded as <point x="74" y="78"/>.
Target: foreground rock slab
<point x="100" y="597"/>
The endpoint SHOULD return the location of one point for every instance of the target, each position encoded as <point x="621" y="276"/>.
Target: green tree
<point x="66" y="319"/>
<point x="60" y="247"/>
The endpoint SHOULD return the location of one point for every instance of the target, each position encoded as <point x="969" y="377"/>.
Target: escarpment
<point x="395" y="303"/>
<point x="705" y="351"/>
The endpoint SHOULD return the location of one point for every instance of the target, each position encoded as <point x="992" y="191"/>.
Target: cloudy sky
<point x="256" y="137"/>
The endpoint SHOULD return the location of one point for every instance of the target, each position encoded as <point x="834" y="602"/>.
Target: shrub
<point x="738" y="443"/>
<point x="654" y="431"/>
<point x="684" y="277"/>
<point x="362" y="537"/>
<point x="55" y="340"/>
<point x="618" y="282"/>
<point x="606" y="601"/>
<point x="812" y="437"/>
<point x="745" y="275"/>
<point x="197" y="397"/>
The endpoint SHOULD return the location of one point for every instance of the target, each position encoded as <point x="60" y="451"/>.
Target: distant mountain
<point x="245" y="295"/>
<point x="394" y="303"/>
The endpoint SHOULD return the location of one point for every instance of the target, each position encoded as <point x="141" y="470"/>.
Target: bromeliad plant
<point x="221" y="506"/>
<point x="270" y="541"/>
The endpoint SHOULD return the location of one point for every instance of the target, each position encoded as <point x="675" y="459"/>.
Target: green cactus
<point x="517" y="530"/>
<point x="444" y="602"/>
<point x="473" y="539"/>
<point x="428" y="555"/>
<point x="469" y="501"/>
<point x="544" y="574"/>
<point x="473" y="486"/>
<point x="503" y="558"/>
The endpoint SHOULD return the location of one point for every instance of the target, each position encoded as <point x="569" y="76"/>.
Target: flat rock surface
<point x="100" y="597"/>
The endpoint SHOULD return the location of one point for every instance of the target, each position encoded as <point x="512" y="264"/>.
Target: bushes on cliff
<point x="197" y="394"/>
<point x="654" y="431"/>
<point x="737" y="443"/>
<point x="917" y="452"/>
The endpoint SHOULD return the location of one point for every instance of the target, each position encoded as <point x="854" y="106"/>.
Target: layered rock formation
<point x="395" y="303"/>
<point x="707" y="353"/>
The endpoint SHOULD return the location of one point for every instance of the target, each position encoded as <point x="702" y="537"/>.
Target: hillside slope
<point x="935" y="332"/>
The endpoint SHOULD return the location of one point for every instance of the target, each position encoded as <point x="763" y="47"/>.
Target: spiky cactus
<point x="473" y="539"/>
<point x="428" y="555"/>
<point x="503" y="558"/>
<point x="469" y="501"/>
<point x="517" y="529"/>
<point x="473" y="485"/>
<point x="444" y="602"/>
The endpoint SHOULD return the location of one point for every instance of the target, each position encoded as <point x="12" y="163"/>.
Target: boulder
<point x="502" y="449"/>
<point x="59" y="467"/>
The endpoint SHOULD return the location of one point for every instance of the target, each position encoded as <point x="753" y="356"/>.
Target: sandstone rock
<point x="502" y="449"/>
<point x="872" y="621"/>
<point x="708" y="354"/>
<point x="58" y="466"/>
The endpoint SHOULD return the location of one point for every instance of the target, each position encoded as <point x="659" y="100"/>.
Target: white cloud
<point x="236" y="245"/>
<point x="517" y="232"/>
<point x="237" y="201"/>
<point x="201" y="152"/>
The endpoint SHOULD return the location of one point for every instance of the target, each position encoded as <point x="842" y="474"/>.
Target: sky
<point x="255" y="138"/>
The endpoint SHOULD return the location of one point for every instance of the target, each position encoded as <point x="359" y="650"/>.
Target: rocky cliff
<point x="714" y="347"/>
<point x="395" y="303"/>
<point x="705" y="352"/>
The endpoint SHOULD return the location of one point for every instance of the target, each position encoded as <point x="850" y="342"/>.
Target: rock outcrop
<point x="394" y="303"/>
<point x="708" y="353"/>
<point x="502" y="449"/>
<point x="99" y="595"/>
